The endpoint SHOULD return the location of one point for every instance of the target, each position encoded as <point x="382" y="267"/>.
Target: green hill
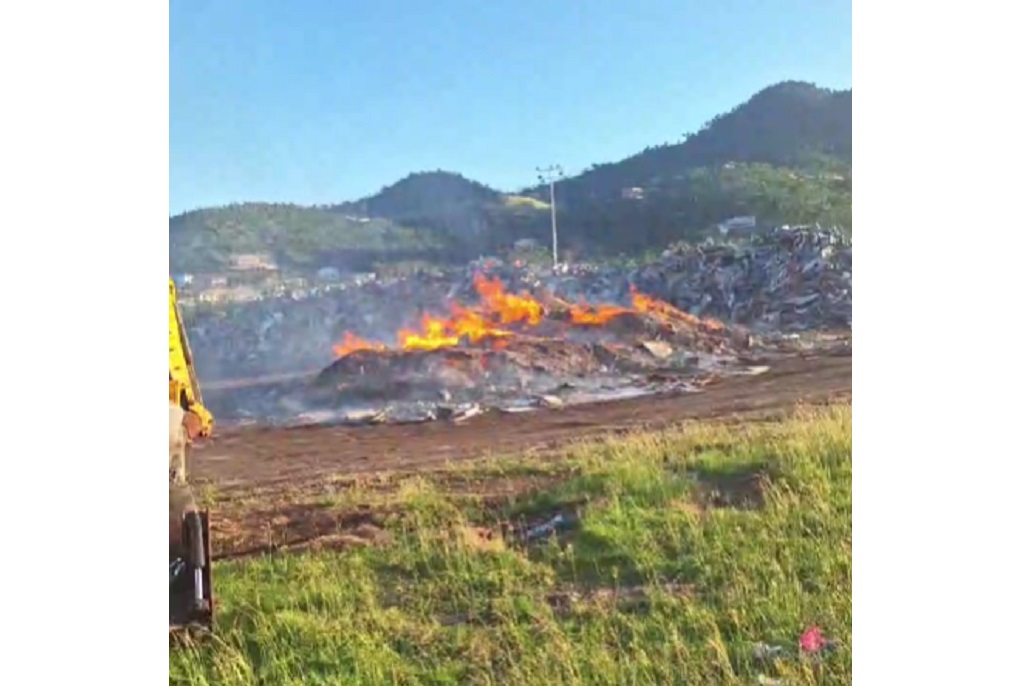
<point x="292" y="236"/>
<point x="783" y="156"/>
<point x="790" y="124"/>
<point x="440" y="200"/>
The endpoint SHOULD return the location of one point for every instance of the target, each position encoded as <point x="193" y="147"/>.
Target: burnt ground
<point x="270" y="488"/>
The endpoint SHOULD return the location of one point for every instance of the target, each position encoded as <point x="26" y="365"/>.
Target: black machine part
<point x="191" y="587"/>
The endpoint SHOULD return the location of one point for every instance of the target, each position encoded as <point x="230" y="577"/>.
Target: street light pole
<point x="549" y="175"/>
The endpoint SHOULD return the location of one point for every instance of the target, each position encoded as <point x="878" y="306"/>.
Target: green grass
<point x="690" y="547"/>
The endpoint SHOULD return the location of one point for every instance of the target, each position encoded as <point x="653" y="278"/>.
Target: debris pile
<point x="494" y="331"/>
<point x="499" y="316"/>
<point x="787" y="280"/>
<point x="513" y="345"/>
<point x="524" y="367"/>
<point x="287" y="335"/>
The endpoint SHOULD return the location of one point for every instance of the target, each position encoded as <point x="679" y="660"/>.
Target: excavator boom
<point x="184" y="384"/>
<point x="191" y="597"/>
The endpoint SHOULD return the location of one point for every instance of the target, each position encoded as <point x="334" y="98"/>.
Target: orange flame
<point x="662" y="310"/>
<point x="436" y="332"/>
<point x="510" y="309"/>
<point x="595" y="315"/>
<point x="352" y="343"/>
<point x="500" y="308"/>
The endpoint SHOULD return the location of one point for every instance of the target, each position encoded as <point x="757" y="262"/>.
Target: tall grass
<point x="690" y="546"/>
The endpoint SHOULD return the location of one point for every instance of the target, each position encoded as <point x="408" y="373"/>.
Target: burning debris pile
<point x="783" y="280"/>
<point x="500" y="316"/>
<point x="285" y="335"/>
<point x="510" y="345"/>
<point x="511" y="333"/>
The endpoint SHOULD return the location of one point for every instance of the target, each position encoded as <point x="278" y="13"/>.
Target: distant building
<point x="634" y="193"/>
<point x="737" y="225"/>
<point x="328" y="274"/>
<point x="252" y="262"/>
<point x="244" y="294"/>
<point x="526" y="244"/>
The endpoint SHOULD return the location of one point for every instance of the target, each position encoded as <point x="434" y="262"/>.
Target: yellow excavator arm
<point x="191" y="571"/>
<point x="184" y="385"/>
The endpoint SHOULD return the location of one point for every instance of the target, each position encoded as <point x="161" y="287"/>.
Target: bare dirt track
<point x="251" y="458"/>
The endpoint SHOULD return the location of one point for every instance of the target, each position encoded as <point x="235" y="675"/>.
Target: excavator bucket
<point x="191" y="578"/>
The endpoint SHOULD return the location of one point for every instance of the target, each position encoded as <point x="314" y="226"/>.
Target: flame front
<point x="662" y="310"/>
<point x="352" y="343"/>
<point x="500" y="309"/>
<point x="437" y="332"/>
<point x="595" y="315"/>
<point x="508" y="308"/>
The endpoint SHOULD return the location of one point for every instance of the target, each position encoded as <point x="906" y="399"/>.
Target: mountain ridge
<point x="784" y="151"/>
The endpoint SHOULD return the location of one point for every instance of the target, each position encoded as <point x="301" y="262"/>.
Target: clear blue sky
<point x="317" y="101"/>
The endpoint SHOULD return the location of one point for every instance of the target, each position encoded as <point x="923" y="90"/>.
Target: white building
<point x="737" y="225"/>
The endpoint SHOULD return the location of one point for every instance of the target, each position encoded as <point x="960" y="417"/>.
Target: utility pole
<point x="549" y="175"/>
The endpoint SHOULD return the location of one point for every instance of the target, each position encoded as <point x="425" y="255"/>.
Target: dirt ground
<point x="270" y="483"/>
<point x="258" y="456"/>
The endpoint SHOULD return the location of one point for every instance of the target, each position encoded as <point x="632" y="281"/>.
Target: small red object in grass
<point x="812" y="641"/>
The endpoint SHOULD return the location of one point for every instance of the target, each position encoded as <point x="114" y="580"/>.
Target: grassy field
<point x="683" y="550"/>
